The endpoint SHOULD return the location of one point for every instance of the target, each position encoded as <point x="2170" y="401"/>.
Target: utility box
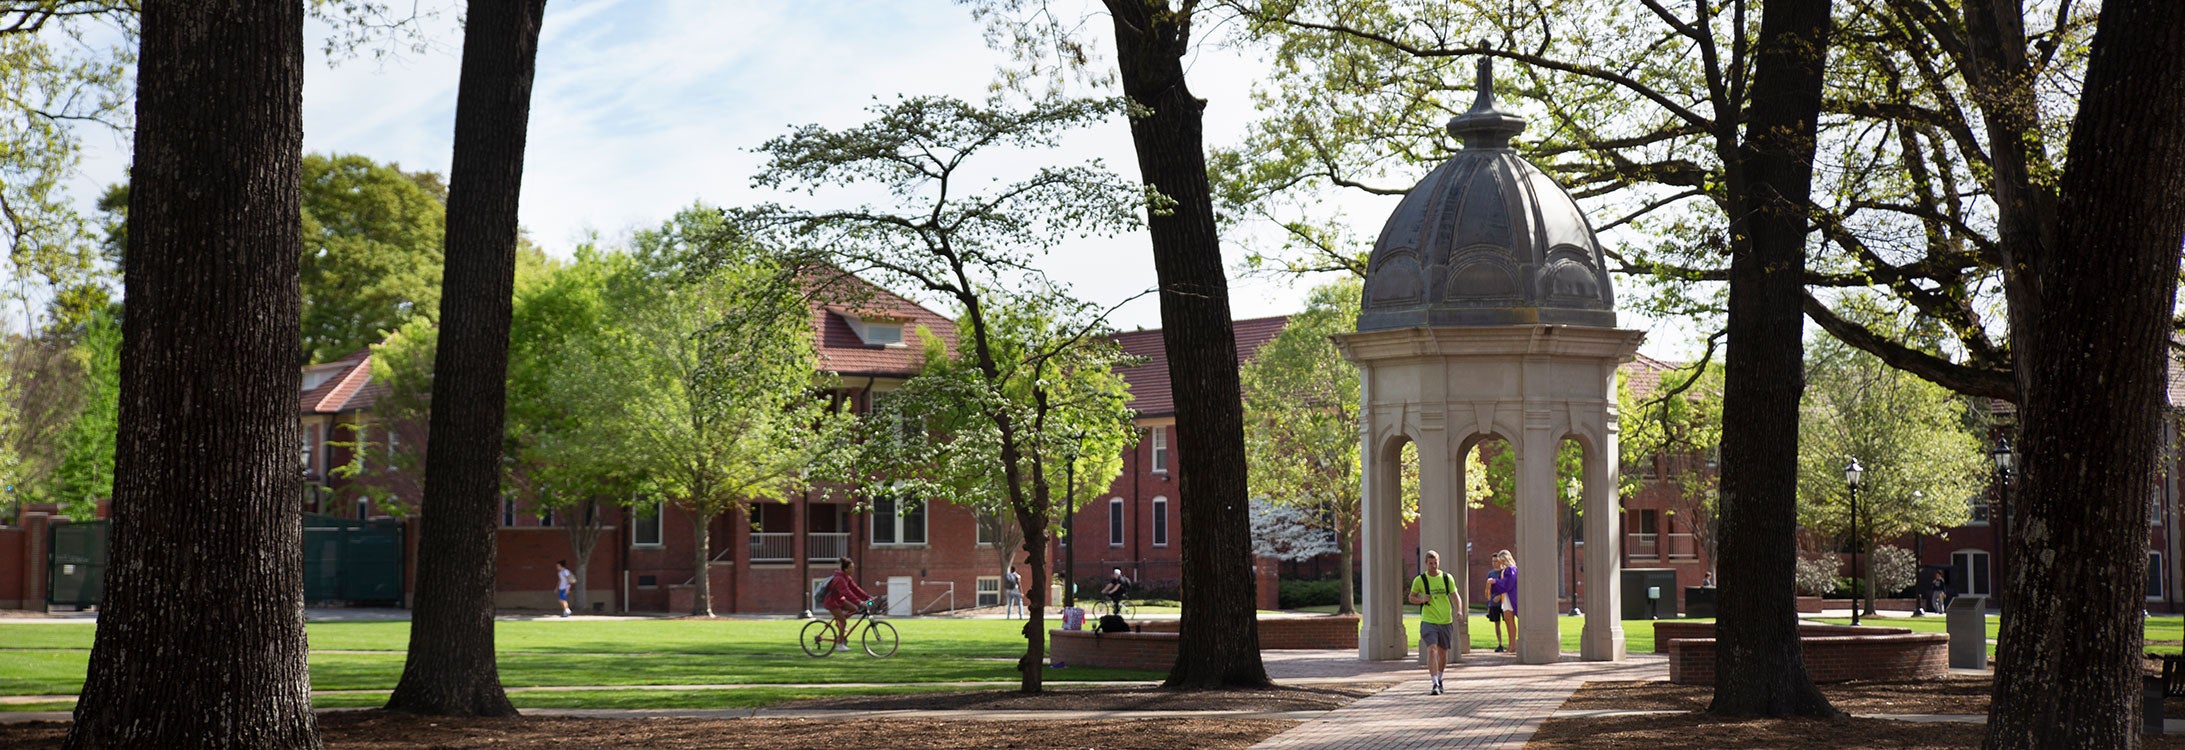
<point x="1699" y="601"/>
<point x="1967" y="621"/>
<point x="1636" y="583"/>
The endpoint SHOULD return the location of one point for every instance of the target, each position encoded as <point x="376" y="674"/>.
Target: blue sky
<point x="641" y="107"/>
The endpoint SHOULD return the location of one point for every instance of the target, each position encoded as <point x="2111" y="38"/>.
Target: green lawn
<point x="2162" y="632"/>
<point x="50" y="658"/>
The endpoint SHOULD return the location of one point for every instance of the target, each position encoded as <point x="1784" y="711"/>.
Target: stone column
<point x="1441" y="506"/>
<point x="1458" y="561"/>
<point x="1381" y="614"/>
<point x="1538" y="642"/>
<point x="1603" y="639"/>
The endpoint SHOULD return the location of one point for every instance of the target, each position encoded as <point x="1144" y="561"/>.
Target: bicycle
<point x="878" y="637"/>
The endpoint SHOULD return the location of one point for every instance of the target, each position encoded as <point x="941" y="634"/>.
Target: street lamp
<point x="1574" y="497"/>
<point x="1852" y="473"/>
<point x="2003" y="459"/>
<point x="1069" y="514"/>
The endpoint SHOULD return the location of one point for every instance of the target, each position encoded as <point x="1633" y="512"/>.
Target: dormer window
<point x="883" y="334"/>
<point x="876" y="331"/>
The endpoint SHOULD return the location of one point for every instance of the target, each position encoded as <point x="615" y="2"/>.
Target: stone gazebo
<point x="1488" y="313"/>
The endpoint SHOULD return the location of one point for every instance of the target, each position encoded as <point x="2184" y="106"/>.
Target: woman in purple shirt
<point x="1502" y="598"/>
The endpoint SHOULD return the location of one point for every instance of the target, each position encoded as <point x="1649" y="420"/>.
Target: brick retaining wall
<point x="1281" y="633"/>
<point x="1666" y="631"/>
<point x="1895" y="656"/>
<point x="1087" y="648"/>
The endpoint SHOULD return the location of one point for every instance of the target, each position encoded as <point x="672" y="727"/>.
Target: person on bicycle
<point x="1117" y="588"/>
<point x="844" y="598"/>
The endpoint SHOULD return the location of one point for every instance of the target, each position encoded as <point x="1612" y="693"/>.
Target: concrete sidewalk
<point x="1490" y="701"/>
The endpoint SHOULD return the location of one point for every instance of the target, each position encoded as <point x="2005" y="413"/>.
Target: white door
<point x="899" y="596"/>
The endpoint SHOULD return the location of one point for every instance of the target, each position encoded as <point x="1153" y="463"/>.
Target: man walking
<point x="563" y="579"/>
<point x="1436" y="594"/>
<point x="1012" y="596"/>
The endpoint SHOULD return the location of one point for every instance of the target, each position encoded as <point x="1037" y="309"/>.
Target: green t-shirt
<point x="1436" y="609"/>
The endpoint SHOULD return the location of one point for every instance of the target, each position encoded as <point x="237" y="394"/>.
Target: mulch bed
<point x="1954" y="695"/>
<point x="376" y="730"/>
<point x="373" y="730"/>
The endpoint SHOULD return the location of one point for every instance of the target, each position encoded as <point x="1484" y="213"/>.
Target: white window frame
<point x="2161" y="579"/>
<point x="979" y="534"/>
<point x="314" y="448"/>
<point x="1975" y="555"/>
<point x="546" y="517"/>
<point x="986" y="592"/>
<point x="1160" y="521"/>
<point x="658" y="523"/>
<point x="900" y="523"/>
<point x="1159" y="448"/>
<point x="508" y="511"/>
<point x="1118" y="530"/>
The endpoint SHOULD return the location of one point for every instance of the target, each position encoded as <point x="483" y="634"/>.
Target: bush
<point x="1816" y="576"/>
<point x="1848" y="588"/>
<point x="1300" y="594"/>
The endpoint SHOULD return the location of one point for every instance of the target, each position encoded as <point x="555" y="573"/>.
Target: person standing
<point x="1436" y="594"/>
<point x="1012" y="595"/>
<point x="1502" y="598"/>
<point x="563" y="580"/>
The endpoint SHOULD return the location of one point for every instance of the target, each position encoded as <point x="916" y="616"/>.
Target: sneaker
<point x="842" y="647"/>
<point x="1499" y="649"/>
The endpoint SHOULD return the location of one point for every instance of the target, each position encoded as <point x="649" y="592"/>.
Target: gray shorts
<point x="1435" y="634"/>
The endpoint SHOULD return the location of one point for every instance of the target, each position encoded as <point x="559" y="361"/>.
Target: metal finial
<point x="1483" y="126"/>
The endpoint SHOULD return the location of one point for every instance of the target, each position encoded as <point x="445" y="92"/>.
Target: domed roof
<point x="1487" y="239"/>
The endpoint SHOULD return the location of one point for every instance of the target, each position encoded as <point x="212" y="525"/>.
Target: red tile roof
<point x="338" y="393"/>
<point x="1644" y="374"/>
<point x="836" y="294"/>
<point x="1150" y="395"/>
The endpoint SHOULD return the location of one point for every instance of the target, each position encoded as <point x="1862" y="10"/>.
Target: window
<point x="2154" y="574"/>
<point x="1978" y="510"/>
<point x="311" y="450"/>
<point x="546" y="516"/>
<point x="645" y="524"/>
<point x="1649" y="522"/>
<point x="394" y="443"/>
<point x="987" y="524"/>
<point x="1115" y="522"/>
<point x="1160" y="522"/>
<point x="897" y="523"/>
<point x="989" y="592"/>
<point x="1973" y="565"/>
<point x="1160" y="450"/>
<point x="884" y="334"/>
<point x="508" y="511"/>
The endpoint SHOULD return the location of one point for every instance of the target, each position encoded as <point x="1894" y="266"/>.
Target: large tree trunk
<point x="201" y="641"/>
<point x="1346" y="602"/>
<point x="1760" y="668"/>
<point x="450" y="669"/>
<point x="2091" y="361"/>
<point x="1220" y="630"/>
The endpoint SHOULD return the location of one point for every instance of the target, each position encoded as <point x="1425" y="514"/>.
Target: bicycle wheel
<point x="880" y="639"/>
<point x="818" y="638"/>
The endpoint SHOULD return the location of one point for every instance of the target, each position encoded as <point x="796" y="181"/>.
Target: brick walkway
<point x="1490" y="701"/>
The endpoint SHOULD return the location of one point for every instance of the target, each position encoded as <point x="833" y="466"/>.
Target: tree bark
<point x="201" y="641"/>
<point x="583" y="538"/>
<point x="2092" y="363"/>
<point x="450" y="670"/>
<point x="701" y="589"/>
<point x="1760" y="667"/>
<point x="1035" y="589"/>
<point x="1346" y="602"/>
<point x="1219" y="643"/>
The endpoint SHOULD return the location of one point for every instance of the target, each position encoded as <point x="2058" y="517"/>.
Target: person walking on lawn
<point x="1502" y="598"/>
<point x="844" y="598"/>
<point x="1012" y="595"/>
<point x="1436" y="594"/>
<point x="563" y="579"/>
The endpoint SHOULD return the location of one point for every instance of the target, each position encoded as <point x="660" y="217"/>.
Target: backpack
<point x="1113" y="624"/>
<point x="1421" y="583"/>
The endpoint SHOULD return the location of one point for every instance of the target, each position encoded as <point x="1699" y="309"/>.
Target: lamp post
<point x="1574" y="612"/>
<point x="1852" y="474"/>
<point x="2003" y="459"/>
<point x="1069" y="514"/>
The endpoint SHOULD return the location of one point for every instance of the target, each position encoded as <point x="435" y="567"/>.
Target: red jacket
<point x="843" y="592"/>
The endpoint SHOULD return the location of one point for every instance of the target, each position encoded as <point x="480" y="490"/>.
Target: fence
<point x="772" y="546"/>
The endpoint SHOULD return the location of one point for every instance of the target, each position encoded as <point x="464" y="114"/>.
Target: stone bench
<point x="1889" y="654"/>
